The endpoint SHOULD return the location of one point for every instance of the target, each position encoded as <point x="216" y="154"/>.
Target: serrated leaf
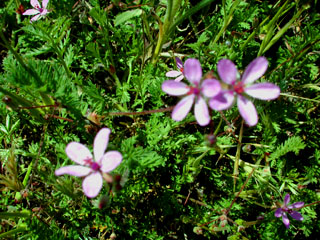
<point x="125" y="16"/>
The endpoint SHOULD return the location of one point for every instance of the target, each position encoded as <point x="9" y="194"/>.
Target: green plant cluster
<point x="90" y="64"/>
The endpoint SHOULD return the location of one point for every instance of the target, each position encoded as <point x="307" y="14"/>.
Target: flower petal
<point x="183" y="107"/>
<point x="45" y="3"/>
<point x="178" y="79"/>
<point x="247" y="111"/>
<point x="210" y="87"/>
<point x="100" y="143"/>
<point x="255" y="70"/>
<point x="263" y="91"/>
<point x="73" y="170"/>
<point x="296" y="215"/>
<point x="285" y="220"/>
<point x="35" y="18"/>
<point x="193" y="71"/>
<point x="227" y="71"/>
<point x="179" y="63"/>
<point x="296" y="205"/>
<point x="110" y="161"/>
<point x="222" y="101"/>
<point x="174" y="88"/>
<point x="173" y="73"/>
<point x="78" y="153"/>
<point x="92" y="184"/>
<point x="35" y="3"/>
<point x="31" y="12"/>
<point x="201" y="112"/>
<point x="286" y="199"/>
<point x="278" y="212"/>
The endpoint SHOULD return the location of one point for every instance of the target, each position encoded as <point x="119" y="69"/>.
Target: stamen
<point x="194" y="90"/>
<point x="95" y="166"/>
<point x="238" y="88"/>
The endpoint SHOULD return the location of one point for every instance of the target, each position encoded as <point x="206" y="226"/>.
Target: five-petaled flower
<point x="281" y="212"/>
<point x="90" y="168"/>
<point x="209" y="88"/>
<point x="264" y="91"/>
<point x="37" y="10"/>
<point x="177" y="74"/>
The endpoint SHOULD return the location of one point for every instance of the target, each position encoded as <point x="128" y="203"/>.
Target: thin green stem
<point x="14" y="231"/>
<point x="236" y="162"/>
<point x="298" y="97"/>
<point x="226" y="22"/>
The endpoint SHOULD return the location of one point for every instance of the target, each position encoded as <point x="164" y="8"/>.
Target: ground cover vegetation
<point x="157" y="119"/>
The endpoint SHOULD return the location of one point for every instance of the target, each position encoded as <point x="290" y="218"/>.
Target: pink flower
<point x="264" y="91"/>
<point x="177" y="74"/>
<point x="37" y="10"/>
<point x="209" y="88"/>
<point x="90" y="168"/>
<point x="281" y="212"/>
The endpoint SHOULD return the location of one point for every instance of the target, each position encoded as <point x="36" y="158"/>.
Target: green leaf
<point x="125" y="16"/>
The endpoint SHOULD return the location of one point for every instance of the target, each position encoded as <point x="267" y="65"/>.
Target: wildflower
<point x="209" y="88"/>
<point x="264" y="91"/>
<point x="37" y="10"/>
<point x="281" y="212"/>
<point x="177" y="74"/>
<point x="91" y="169"/>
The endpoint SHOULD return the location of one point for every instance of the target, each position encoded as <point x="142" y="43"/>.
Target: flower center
<point x="181" y="69"/>
<point x="40" y="10"/>
<point x="285" y="209"/>
<point x="238" y="88"/>
<point x="93" y="165"/>
<point x="194" y="90"/>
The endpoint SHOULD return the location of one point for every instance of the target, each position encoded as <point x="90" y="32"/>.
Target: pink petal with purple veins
<point x="31" y="12"/>
<point x="92" y="184"/>
<point x="179" y="63"/>
<point x="278" y="212"/>
<point x="178" y="79"/>
<point x="296" y="216"/>
<point x="35" y="18"/>
<point x="201" y="112"/>
<point x="285" y="220"/>
<point x="193" y="71"/>
<point x="35" y="3"/>
<point x="78" y="153"/>
<point x="210" y="87"/>
<point x="175" y="88"/>
<point x="45" y="3"/>
<point x="286" y="199"/>
<point x="100" y="143"/>
<point x="110" y="161"/>
<point x="227" y="71"/>
<point x="222" y="101"/>
<point x="173" y="73"/>
<point x="263" y="91"/>
<point x="247" y="111"/>
<point x="255" y="70"/>
<point x="296" y="205"/>
<point x="73" y="170"/>
<point x="183" y="107"/>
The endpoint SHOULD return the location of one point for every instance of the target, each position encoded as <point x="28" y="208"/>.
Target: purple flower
<point x="177" y="74"/>
<point x="90" y="168"/>
<point x="264" y="91"/>
<point x="37" y="10"/>
<point x="209" y="88"/>
<point x="281" y="212"/>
